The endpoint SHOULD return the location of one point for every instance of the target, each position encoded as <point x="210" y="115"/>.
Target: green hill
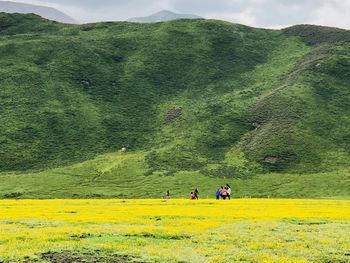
<point x="199" y="98"/>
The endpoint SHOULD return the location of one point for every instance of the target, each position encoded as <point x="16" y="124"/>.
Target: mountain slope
<point x="43" y="11"/>
<point x="162" y="16"/>
<point x="197" y="97"/>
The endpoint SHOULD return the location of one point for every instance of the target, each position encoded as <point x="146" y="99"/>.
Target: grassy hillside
<point x="124" y="175"/>
<point x="194" y="99"/>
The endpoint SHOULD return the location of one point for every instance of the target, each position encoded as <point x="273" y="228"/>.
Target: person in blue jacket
<point x="218" y="194"/>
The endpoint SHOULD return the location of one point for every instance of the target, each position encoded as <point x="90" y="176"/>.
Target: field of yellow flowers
<point x="246" y="230"/>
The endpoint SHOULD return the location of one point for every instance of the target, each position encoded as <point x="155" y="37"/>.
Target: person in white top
<point x="228" y="190"/>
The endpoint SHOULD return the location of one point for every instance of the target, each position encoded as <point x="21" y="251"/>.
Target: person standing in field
<point x="223" y="193"/>
<point x="167" y="195"/>
<point x="196" y="193"/>
<point x="193" y="196"/>
<point x="217" y="194"/>
<point x="228" y="190"/>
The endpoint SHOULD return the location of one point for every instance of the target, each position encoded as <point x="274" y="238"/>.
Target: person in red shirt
<point x="193" y="196"/>
<point x="223" y="193"/>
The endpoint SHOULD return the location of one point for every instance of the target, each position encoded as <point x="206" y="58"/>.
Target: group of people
<point x="194" y="195"/>
<point x="223" y="192"/>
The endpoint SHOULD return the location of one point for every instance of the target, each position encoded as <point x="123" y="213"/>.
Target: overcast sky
<point x="259" y="13"/>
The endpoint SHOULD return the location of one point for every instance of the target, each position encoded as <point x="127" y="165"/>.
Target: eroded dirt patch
<point x="86" y="257"/>
<point x="172" y="114"/>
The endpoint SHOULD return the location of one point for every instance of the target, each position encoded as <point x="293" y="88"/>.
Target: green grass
<point x="124" y="175"/>
<point x="188" y="98"/>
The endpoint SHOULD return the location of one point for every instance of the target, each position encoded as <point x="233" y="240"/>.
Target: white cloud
<point x="283" y="13"/>
<point x="244" y="17"/>
<point x="333" y="13"/>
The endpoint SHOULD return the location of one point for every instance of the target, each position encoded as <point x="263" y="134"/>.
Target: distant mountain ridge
<point x="163" y="16"/>
<point x="43" y="11"/>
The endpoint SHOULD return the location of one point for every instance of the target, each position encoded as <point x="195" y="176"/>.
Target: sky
<point x="258" y="13"/>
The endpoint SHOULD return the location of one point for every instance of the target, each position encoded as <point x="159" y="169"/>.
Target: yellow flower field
<point x="246" y="230"/>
